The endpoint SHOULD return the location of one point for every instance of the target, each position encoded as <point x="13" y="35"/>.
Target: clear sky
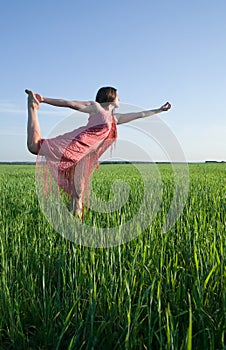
<point x="151" y="51"/>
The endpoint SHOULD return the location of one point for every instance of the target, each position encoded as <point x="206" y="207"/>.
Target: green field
<point x="158" y="291"/>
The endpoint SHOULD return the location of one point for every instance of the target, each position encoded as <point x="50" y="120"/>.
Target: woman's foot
<point x="32" y="100"/>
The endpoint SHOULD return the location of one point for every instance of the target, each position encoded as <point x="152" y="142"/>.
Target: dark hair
<point x="106" y="94"/>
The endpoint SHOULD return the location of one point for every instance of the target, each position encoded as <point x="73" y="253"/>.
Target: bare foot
<point x="32" y="100"/>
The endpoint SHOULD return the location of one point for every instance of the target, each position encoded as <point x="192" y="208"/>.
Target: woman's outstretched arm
<point x="83" y="106"/>
<point x="128" y="117"/>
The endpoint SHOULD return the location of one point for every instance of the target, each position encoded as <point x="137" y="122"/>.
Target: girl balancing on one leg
<point x="72" y="157"/>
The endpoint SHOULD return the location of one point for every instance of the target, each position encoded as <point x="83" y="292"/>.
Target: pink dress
<point x="71" y="158"/>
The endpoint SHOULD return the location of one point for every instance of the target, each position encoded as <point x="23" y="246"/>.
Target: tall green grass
<point x="158" y="291"/>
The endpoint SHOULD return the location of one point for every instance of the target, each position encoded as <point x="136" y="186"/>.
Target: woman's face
<point x="117" y="101"/>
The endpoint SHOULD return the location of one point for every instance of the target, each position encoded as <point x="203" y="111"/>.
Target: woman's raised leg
<point x="33" y="127"/>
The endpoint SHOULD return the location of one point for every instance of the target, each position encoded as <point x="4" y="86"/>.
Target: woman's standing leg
<point x="33" y="127"/>
<point x="78" y="193"/>
<point x="77" y="206"/>
<point x="83" y="171"/>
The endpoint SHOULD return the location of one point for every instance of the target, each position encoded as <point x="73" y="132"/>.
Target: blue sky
<point x="152" y="51"/>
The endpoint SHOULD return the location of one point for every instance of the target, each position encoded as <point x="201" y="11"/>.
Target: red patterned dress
<point x="71" y="158"/>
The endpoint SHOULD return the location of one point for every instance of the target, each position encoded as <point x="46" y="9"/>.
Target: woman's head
<point x="106" y="95"/>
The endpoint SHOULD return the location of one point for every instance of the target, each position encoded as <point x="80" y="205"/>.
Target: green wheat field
<point x="158" y="291"/>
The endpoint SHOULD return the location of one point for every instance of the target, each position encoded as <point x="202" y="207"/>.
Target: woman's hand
<point x="165" y="107"/>
<point x="40" y="98"/>
<point x="37" y="97"/>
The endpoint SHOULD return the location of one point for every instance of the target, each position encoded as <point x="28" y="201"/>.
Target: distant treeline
<point x="215" y="161"/>
<point x="17" y="163"/>
<point x="122" y="162"/>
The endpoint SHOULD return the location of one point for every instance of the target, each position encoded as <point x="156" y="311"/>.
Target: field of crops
<point x="157" y="291"/>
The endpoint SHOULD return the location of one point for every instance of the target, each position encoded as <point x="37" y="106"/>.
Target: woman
<point x="72" y="157"/>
